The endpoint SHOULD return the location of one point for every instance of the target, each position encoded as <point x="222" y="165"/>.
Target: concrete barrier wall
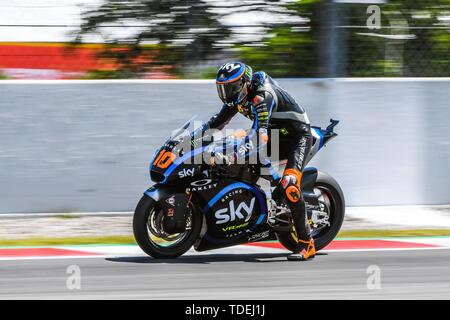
<point x="85" y="146"/>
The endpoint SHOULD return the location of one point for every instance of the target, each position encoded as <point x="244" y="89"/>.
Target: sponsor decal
<point x="171" y="201"/>
<point x="242" y="212"/>
<point x="201" y="185"/>
<point x="246" y="147"/>
<point x="186" y="173"/>
<point x="170" y="212"/>
<point x="259" y="236"/>
<point x="230" y="67"/>
<point x="232" y="228"/>
<point x="301" y="156"/>
<point x="284" y="131"/>
<point x="231" y="194"/>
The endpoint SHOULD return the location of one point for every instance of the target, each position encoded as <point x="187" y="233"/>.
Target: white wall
<point x="86" y="145"/>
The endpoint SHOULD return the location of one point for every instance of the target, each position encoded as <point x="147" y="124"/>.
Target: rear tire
<point x="321" y="240"/>
<point x="142" y="235"/>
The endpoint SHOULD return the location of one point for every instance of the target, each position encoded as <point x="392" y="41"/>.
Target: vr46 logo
<point x="231" y="213"/>
<point x="231" y="66"/>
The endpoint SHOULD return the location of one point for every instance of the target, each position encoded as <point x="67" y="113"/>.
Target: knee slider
<point x="291" y="184"/>
<point x="293" y="193"/>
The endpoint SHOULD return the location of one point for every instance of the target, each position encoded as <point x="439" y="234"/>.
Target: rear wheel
<point x="150" y="235"/>
<point x="327" y="225"/>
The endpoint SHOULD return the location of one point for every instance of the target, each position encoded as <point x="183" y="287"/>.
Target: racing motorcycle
<point x="214" y="206"/>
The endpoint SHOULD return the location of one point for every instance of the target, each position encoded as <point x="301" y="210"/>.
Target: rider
<point x="260" y="98"/>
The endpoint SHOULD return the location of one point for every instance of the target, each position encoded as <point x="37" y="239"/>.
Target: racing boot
<point x="305" y="251"/>
<point x="305" y="244"/>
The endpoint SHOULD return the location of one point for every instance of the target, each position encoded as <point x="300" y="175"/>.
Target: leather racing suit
<point x="271" y="107"/>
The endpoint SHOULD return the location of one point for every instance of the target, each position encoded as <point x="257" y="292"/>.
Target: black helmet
<point x="232" y="82"/>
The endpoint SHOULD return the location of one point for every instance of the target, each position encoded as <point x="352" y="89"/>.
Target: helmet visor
<point x="229" y="92"/>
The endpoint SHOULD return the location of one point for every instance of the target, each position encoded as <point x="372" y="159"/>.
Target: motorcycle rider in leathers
<point x="260" y="98"/>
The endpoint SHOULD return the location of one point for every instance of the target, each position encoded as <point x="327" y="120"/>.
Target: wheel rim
<point x="156" y="234"/>
<point x="329" y="206"/>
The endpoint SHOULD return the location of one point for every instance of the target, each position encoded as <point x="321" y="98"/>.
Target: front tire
<point x="143" y="235"/>
<point x="326" y="184"/>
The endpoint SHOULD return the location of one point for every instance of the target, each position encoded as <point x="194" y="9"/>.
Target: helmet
<point x="232" y="81"/>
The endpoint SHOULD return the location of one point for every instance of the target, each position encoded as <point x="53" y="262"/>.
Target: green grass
<point x="129" y="240"/>
<point x="67" y="216"/>
<point x="67" y="241"/>
<point x="393" y="233"/>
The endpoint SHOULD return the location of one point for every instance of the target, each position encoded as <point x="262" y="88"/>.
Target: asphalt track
<point x="408" y="274"/>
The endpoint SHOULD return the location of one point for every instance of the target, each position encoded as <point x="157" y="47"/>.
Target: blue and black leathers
<point x="271" y="107"/>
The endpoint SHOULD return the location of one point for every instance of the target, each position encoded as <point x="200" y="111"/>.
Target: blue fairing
<point x="178" y="162"/>
<point x="153" y="193"/>
<point x="224" y="191"/>
<point x="321" y="136"/>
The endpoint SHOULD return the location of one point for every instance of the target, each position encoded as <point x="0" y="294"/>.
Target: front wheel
<point x="332" y="199"/>
<point x="151" y="237"/>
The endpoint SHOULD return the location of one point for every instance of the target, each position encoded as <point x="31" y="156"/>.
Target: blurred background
<point x="103" y="39"/>
<point x="380" y="66"/>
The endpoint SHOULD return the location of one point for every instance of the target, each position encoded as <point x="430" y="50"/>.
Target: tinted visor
<point x="229" y="92"/>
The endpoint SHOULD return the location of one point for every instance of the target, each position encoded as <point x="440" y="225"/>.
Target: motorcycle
<point x="214" y="206"/>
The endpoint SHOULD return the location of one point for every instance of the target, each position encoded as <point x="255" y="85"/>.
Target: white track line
<point x="235" y="251"/>
<point x="75" y="214"/>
